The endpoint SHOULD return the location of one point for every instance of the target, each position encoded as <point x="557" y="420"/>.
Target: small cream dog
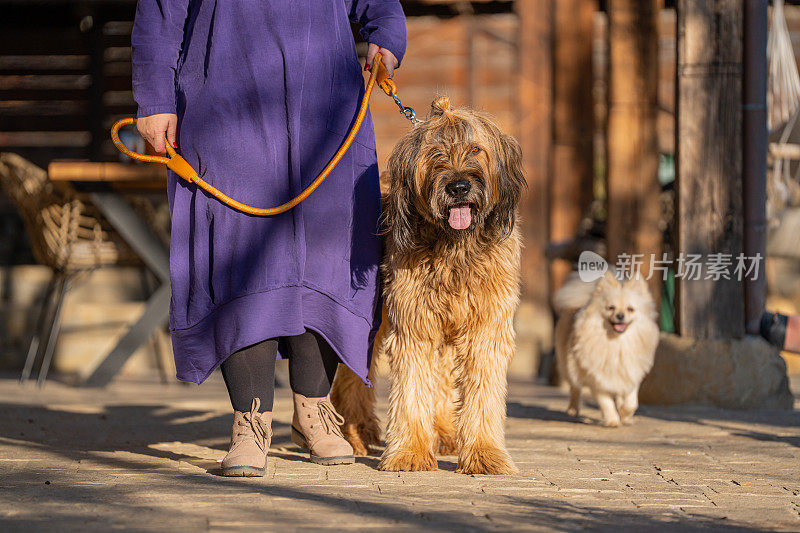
<point x="606" y="338"/>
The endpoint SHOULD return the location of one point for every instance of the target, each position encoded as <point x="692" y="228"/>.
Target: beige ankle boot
<point x="250" y="438"/>
<point x="316" y="426"/>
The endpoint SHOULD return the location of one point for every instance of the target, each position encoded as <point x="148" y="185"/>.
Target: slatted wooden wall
<point x="64" y="77"/>
<point x="65" y="70"/>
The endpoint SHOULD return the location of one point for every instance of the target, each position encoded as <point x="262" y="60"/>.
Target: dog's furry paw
<point x="628" y="420"/>
<point x="362" y="436"/>
<point x="447" y="445"/>
<point x="492" y="461"/>
<point x="613" y="423"/>
<point x="352" y="435"/>
<point x="626" y="414"/>
<point x="360" y="448"/>
<point x="408" y="461"/>
<point x="573" y="412"/>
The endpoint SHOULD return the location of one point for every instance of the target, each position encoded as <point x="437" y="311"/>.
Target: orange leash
<point x="182" y="168"/>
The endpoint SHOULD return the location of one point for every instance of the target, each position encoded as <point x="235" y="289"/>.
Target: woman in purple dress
<point x="258" y="95"/>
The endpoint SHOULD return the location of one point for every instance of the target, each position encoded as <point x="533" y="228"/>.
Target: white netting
<point x="783" y="89"/>
<point x="783" y="97"/>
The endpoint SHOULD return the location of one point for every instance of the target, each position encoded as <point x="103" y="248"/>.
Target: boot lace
<point x="254" y="426"/>
<point x="330" y="419"/>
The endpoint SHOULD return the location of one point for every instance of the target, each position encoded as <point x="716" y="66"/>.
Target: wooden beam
<point x="634" y="204"/>
<point x="535" y="136"/>
<point x="87" y="171"/>
<point x="709" y="162"/>
<point x="573" y="129"/>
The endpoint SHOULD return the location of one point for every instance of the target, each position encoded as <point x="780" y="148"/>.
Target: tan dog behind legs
<point x="451" y="287"/>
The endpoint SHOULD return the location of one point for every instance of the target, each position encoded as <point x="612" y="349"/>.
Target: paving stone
<point x="139" y="455"/>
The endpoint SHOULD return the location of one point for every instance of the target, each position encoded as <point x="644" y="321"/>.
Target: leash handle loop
<point x="174" y="162"/>
<point x="130" y="153"/>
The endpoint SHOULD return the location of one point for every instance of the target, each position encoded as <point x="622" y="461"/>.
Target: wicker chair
<point x="69" y="236"/>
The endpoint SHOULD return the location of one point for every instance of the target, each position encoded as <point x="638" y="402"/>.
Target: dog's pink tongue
<point x="460" y="217"/>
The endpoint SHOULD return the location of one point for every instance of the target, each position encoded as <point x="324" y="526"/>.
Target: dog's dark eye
<point x="610" y="307"/>
<point x="475" y="150"/>
<point x="630" y="309"/>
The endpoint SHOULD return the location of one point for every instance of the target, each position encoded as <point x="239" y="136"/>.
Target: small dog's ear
<point x="511" y="182"/>
<point x="608" y="281"/>
<point x="638" y="284"/>
<point x="439" y="106"/>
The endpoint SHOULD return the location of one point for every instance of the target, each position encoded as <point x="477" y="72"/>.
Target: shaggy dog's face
<point x="458" y="174"/>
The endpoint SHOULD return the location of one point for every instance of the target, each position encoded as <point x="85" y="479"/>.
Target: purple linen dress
<point x="265" y="91"/>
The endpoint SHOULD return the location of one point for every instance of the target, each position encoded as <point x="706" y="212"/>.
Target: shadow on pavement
<point x="199" y="436"/>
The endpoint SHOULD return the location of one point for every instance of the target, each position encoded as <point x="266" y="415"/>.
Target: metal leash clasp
<point x="408" y="112"/>
<point x="385" y="82"/>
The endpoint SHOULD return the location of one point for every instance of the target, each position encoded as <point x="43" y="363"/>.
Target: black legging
<point x="250" y="372"/>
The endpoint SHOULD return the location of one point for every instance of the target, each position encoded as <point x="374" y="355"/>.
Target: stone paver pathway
<point x="137" y="455"/>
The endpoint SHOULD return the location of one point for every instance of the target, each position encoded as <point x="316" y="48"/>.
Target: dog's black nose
<point x="620" y="316"/>
<point x="458" y="188"/>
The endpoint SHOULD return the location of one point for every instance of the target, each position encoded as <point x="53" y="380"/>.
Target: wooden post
<point x="573" y="128"/>
<point x="535" y="98"/>
<point x="754" y="154"/>
<point x="96" y="46"/>
<point x="634" y="204"/>
<point x="709" y="162"/>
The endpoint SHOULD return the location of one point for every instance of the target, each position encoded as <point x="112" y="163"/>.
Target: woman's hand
<point x="155" y="127"/>
<point x="388" y="59"/>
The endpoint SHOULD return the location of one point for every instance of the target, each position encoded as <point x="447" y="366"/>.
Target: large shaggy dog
<point x="451" y="286"/>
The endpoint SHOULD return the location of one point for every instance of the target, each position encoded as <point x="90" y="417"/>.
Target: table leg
<point x="135" y="232"/>
<point x="155" y="313"/>
<point x="153" y="253"/>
